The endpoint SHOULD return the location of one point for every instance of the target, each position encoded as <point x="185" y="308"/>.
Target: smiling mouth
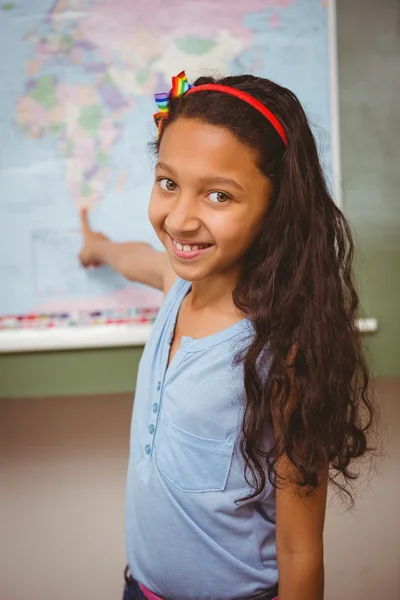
<point x="189" y="247"/>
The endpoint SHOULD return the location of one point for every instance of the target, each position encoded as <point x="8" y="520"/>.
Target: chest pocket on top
<point x="190" y="462"/>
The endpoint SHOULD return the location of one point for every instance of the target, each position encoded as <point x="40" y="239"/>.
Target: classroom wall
<point x="369" y="84"/>
<point x="369" y="79"/>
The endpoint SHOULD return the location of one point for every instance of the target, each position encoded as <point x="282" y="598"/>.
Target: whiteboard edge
<point x="107" y="336"/>
<point x="334" y="103"/>
<point x="76" y="338"/>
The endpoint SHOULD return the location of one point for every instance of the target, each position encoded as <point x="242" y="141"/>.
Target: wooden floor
<point x="62" y="480"/>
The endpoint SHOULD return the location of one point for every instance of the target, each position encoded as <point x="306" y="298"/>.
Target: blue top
<point x="186" y="538"/>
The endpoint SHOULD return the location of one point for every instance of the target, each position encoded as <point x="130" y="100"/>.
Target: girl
<point x="252" y="390"/>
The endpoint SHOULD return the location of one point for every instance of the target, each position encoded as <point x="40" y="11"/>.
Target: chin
<point x="189" y="272"/>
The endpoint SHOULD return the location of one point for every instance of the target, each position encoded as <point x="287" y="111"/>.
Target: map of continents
<point x="77" y="117"/>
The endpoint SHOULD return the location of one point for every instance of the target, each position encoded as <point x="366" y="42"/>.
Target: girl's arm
<point x="300" y="516"/>
<point x="136" y="261"/>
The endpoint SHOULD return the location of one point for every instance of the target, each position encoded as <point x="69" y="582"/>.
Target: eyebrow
<point x="165" y="167"/>
<point x="212" y="179"/>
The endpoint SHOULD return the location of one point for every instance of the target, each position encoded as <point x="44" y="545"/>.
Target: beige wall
<point x="363" y="546"/>
<point x="62" y="482"/>
<point x="62" y="485"/>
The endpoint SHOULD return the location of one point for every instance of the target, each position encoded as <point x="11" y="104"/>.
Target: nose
<point x="183" y="216"/>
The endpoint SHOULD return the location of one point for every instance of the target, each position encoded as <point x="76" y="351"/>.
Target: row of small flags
<point x="117" y="316"/>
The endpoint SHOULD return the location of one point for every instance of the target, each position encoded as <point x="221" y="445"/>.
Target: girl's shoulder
<point x="172" y="301"/>
<point x="178" y="287"/>
<point x="177" y="292"/>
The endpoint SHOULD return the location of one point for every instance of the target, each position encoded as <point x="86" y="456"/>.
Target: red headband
<point x="246" y="98"/>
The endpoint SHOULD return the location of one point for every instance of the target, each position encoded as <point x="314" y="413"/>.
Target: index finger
<point x="84" y="220"/>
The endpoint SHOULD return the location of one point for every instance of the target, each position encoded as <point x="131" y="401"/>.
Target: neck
<point x="214" y="293"/>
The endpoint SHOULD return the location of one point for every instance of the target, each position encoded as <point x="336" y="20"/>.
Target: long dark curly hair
<point x="297" y="288"/>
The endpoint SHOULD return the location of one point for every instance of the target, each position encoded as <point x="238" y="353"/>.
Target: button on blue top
<point x="155" y="407"/>
<point x="151" y="428"/>
<point x="158" y="386"/>
<point x="147" y="449"/>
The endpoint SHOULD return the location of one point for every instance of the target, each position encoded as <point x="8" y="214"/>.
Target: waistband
<point x="270" y="594"/>
<point x="149" y="595"/>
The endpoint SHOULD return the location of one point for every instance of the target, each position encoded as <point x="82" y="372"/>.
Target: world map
<point x="77" y="85"/>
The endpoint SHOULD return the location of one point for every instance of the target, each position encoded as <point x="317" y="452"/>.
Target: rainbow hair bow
<point x="180" y="86"/>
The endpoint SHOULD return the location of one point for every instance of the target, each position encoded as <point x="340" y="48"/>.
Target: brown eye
<point x="167" y="185"/>
<point x="218" y="197"/>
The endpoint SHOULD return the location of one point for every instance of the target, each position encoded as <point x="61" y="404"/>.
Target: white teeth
<point x="188" y="247"/>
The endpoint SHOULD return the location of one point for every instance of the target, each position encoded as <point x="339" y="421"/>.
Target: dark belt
<point x="270" y="594"/>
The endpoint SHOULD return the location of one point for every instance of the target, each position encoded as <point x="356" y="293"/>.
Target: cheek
<point x="237" y="232"/>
